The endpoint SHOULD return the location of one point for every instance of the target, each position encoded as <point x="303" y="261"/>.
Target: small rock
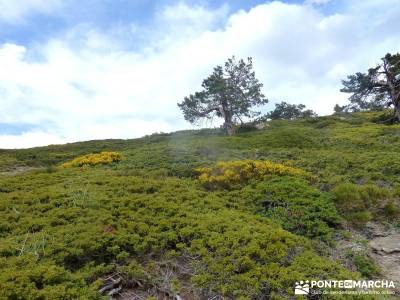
<point x="388" y="244"/>
<point x="386" y="253"/>
<point x="376" y="230"/>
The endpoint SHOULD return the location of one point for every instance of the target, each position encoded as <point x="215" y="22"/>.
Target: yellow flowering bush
<point x="101" y="158"/>
<point x="232" y="173"/>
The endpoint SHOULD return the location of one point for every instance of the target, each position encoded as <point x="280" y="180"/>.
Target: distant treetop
<point x="376" y="89"/>
<point x="287" y="111"/>
<point x="230" y="92"/>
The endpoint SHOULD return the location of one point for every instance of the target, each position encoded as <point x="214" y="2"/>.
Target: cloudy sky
<point x="92" y="69"/>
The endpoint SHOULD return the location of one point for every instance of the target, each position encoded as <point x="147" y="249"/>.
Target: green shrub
<point x="295" y="205"/>
<point x="81" y="225"/>
<point x="241" y="256"/>
<point x="360" y="218"/>
<point x="360" y="203"/>
<point x="291" y="137"/>
<point x="365" y="265"/>
<point x="383" y="117"/>
<point x="322" y="122"/>
<point x="348" y="197"/>
<point x="247" y="127"/>
<point x="227" y="250"/>
<point x="391" y="209"/>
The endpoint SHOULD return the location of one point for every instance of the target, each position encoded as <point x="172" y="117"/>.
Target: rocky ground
<point x="381" y="243"/>
<point x="385" y="250"/>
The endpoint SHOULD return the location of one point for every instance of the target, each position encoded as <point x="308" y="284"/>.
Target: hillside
<point x="167" y="219"/>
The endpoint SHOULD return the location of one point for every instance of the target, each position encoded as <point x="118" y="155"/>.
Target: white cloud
<point x="91" y="85"/>
<point x="12" y="11"/>
<point x="317" y="2"/>
<point x="180" y="17"/>
<point x="29" y="139"/>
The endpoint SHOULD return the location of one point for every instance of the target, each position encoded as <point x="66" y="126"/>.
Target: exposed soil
<point x="18" y="170"/>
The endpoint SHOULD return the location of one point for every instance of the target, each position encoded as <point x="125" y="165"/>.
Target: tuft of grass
<point x="360" y="204"/>
<point x="365" y="265"/>
<point x="391" y="209"/>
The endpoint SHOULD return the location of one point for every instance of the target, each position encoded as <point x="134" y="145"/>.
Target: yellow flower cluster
<point x="232" y="173"/>
<point x="101" y="158"/>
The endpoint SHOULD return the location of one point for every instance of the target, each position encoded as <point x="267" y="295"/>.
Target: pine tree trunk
<point x="228" y="123"/>
<point x="397" y="112"/>
<point x="229" y="127"/>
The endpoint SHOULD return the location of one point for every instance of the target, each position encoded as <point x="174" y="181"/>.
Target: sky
<point x="94" y="69"/>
